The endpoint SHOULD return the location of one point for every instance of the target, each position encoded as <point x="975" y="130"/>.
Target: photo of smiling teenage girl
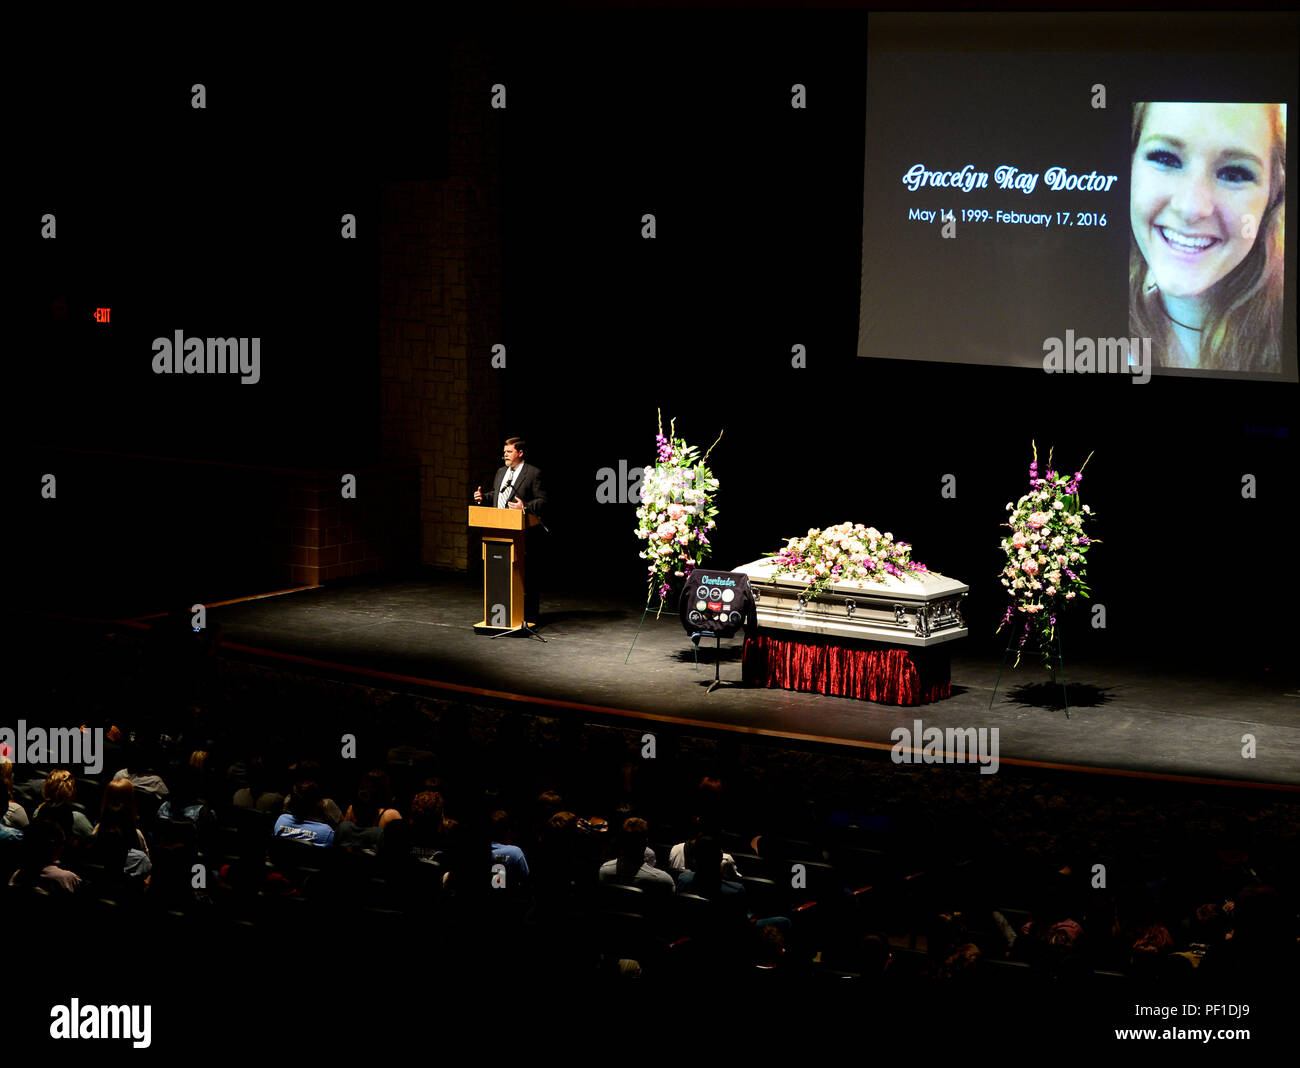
<point x="1207" y="211"/>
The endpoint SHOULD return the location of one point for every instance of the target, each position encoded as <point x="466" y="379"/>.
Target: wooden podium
<point x="504" y="531"/>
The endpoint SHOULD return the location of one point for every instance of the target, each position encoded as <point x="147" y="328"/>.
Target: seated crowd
<point x="655" y="882"/>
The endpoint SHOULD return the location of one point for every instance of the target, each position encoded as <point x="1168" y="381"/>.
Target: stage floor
<point x="1123" y="719"/>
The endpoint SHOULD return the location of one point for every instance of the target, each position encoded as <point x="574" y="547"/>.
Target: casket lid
<point x="916" y="587"/>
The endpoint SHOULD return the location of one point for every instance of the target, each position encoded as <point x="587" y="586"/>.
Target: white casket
<point x="920" y="610"/>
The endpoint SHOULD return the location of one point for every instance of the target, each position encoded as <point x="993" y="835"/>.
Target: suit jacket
<point x="528" y="488"/>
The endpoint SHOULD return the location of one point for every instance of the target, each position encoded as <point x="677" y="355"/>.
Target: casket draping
<point x="887" y="674"/>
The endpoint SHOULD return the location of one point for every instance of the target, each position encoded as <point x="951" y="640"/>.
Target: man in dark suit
<point x="518" y="485"/>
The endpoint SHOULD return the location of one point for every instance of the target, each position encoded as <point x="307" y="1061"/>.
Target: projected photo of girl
<point x="1205" y="255"/>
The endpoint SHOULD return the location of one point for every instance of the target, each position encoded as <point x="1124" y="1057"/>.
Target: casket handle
<point x="850" y="607"/>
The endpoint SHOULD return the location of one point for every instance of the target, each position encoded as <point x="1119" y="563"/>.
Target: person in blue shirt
<point x="504" y="851"/>
<point x="303" y="822"/>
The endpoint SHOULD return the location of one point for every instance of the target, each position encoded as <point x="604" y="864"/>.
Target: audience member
<point x="118" y="812"/>
<point x="630" y="866"/>
<point x="305" y="822"/>
<point x="505" y="852"/>
<point x="43" y="844"/>
<point x="60" y="793"/>
<point x="256" y="792"/>
<point x="140" y="771"/>
<point x="427" y="825"/>
<point x="12" y="814"/>
<point x="373" y="804"/>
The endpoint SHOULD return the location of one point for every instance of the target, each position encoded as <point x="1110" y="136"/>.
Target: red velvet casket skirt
<point x="885" y="673"/>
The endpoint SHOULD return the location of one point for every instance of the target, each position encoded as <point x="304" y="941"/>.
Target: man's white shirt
<point x="512" y="476"/>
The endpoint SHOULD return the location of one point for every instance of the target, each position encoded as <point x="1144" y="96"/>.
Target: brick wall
<point x="332" y="537"/>
<point x="440" y="280"/>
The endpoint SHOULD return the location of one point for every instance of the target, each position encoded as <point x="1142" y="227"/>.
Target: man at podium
<point x="517" y="484"/>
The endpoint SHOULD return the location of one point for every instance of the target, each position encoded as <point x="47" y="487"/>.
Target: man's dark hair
<point x="562" y="823"/>
<point x="635" y="837"/>
<point x="518" y="443"/>
<point x="304" y="802"/>
<point x="499" y="823"/>
<point x="705" y="861"/>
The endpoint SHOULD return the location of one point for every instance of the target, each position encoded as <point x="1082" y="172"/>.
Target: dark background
<point x="228" y="225"/>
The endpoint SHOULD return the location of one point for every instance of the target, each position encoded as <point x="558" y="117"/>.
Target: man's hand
<point x="478" y="494"/>
<point x="517" y="504"/>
